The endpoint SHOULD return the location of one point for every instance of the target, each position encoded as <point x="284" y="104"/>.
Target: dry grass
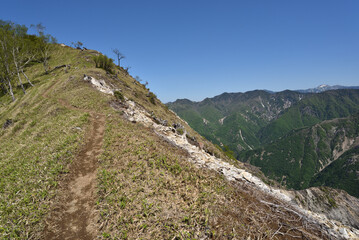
<point x="147" y="189"/>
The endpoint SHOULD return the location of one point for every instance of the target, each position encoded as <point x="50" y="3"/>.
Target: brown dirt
<point x="73" y="213"/>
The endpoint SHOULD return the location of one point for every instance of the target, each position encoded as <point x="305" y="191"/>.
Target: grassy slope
<point x="149" y="190"/>
<point x="34" y="152"/>
<point x="146" y="187"/>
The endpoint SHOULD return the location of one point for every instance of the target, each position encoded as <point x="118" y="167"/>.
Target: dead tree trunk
<point x="28" y="80"/>
<point x="18" y="71"/>
<point x="10" y="89"/>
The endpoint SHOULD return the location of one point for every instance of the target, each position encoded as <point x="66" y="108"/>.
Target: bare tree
<point x="77" y="45"/>
<point x="45" y="45"/>
<point x="118" y="54"/>
<point x="22" y="52"/>
<point x="138" y="79"/>
<point x="126" y="69"/>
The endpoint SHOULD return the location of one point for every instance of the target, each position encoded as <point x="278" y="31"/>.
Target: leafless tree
<point x="118" y="54"/>
<point x="138" y="79"/>
<point x="45" y="45"/>
<point x="77" y="45"/>
<point x="126" y="69"/>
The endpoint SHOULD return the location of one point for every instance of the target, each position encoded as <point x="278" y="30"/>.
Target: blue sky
<point x="197" y="49"/>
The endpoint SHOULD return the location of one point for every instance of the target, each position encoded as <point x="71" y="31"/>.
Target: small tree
<point x="118" y="55"/>
<point x="138" y="79"/>
<point x="77" y="45"/>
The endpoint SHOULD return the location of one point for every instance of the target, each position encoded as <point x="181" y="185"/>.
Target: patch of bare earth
<point x="73" y="213"/>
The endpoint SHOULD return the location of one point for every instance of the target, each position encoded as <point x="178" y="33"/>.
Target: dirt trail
<point x="73" y="214"/>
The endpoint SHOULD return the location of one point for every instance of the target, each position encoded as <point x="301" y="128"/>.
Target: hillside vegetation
<point x="133" y="184"/>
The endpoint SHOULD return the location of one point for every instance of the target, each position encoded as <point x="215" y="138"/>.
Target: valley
<point x="292" y="137"/>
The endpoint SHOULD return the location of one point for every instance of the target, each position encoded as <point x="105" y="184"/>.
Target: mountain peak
<point x="325" y="87"/>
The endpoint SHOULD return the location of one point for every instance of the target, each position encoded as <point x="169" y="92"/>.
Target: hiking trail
<point x="73" y="213"/>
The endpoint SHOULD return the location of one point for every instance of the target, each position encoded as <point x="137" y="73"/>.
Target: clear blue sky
<point x="202" y="48"/>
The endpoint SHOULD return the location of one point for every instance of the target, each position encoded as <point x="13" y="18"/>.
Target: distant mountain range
<point x="295" y="137"/>
<point x="324" y="87"/>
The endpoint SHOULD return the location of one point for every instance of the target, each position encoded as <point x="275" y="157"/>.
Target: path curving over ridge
<point x="73" y="214"/>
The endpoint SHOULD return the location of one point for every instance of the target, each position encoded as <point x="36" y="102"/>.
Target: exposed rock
<point x="99" y="84"/>
<point x="336" y="204"/>
<point x="221" y="120"/>
<point x="177" y="126"/>
<point x="160" y="121"/>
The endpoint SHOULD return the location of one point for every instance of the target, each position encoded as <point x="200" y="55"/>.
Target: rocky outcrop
<point x="334" y="203"/>
<point x="99" y="84"/>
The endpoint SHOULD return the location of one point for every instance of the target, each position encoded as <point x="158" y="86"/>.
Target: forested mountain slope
<point x="291" y="136"/>
<point x="234" y="119"/>
<point x="311" y="110"/>
<point x="305" y="154"/>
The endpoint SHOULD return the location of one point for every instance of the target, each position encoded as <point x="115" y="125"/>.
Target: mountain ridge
<point x="319" y="89"/>
<point x="154" y="176"/>
<point x="325" y="87"/>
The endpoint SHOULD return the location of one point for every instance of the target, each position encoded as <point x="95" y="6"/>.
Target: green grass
<point x="36" y="150"/>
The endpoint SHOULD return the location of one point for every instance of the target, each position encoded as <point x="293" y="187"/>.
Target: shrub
<point x="118" y="95"/>
<point x="104" y="62"/>
<point x="152" y="97"/>
<point x="180" y="131"/>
